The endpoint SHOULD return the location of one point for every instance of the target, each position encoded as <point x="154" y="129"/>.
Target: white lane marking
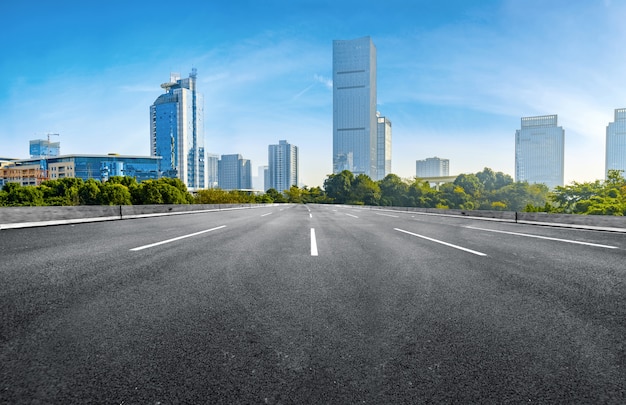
<point x="387" y="215"/>
<point x="313" y="243"/>
<point x="334" y="210"/>
<point x="353" y="216"/>
<point x="264" y="215"/>
<point x="310" y="215"/>
<point x="544" y="237"/>
<point x="442" y="242"/>
<point x="175" y="239"/>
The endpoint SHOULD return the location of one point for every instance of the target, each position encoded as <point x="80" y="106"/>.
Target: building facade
<point x="432" y="167"/>
<point x="616" y="143"/>
<point x="539" y="151"/>
<point x="212" y="170"/>
<point x="354" y="107"/>
<point x="40" y="148"/>
<point x="31" y="172"/>
<point x="282" y="166"/>
<point x="234" y="173"/>
<point x="383" y="141"/>
<point x="176" y="131"/>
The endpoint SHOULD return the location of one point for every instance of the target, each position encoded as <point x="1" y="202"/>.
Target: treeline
<point x="485" y="190"/>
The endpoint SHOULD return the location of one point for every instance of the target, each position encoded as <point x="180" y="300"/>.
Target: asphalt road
<point x="311" y="304"/>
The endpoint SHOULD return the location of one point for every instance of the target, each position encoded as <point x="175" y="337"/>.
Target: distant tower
<point x="354" y="107"/>
<point x="282" y="166"/>
<point x="539" y="151"/>
<point x="234" y="172"/>
<point x="432" y="167"/>
<point x="176" y="131"/>
<point x="212" y="169"/>
<point x="383" y="160"/>
<point x="616" y="143"/>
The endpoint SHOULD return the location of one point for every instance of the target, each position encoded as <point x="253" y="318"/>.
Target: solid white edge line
<point x="175" y="239"/>
<point x="313" y="243"/>
<point x="442" y="242"/>
<point x="544" y="237"/>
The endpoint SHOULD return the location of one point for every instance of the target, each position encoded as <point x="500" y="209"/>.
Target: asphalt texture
<point x="234" y="307"/>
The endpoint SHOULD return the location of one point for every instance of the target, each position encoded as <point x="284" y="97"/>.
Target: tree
<point x="294" y="195"/>
<point x="275" y="195"/>
<point x="89" y="192"/>
<point x="470" y="184"/>
<point x="114" y="194"/>
<point x="393" y="191"/>
<point x="17" y="195"/>
<point x="364" y="190"/>
<point x="338" y="186"/>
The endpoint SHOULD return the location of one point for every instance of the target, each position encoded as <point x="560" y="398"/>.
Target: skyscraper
<point x="212" y="172"/>
<point x="539" y="151"/>
<point x="177" y="132"/>
<point x="234" y="173"/>
<point x="383" y="159"/>
<point x="354" y="107"/>
<point x="283" y="166"/>
<point x="616" y="143"/>
<point x="432" y="167"/>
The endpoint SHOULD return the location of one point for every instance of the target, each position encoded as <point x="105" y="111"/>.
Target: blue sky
<point x="454" y="77"/>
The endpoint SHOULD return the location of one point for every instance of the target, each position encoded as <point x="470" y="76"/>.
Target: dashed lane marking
<point x="442" y="242"/>
<point x="175" y="239"/>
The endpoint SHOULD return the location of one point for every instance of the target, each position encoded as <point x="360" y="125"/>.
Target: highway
<point x="311" y="304"/>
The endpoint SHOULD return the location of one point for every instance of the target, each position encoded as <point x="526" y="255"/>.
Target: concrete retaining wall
<point x="21" y="217"/>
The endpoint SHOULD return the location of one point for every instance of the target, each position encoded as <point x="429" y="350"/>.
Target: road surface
<point x="311" y="304"/>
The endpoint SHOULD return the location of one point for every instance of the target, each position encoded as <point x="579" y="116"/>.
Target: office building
<point x="176" y="131"/>
<point x="234" y="173"/>
<point x="616" y="143"/>
<point x="282" y="166"/>
<point x="539" y="151"/>
<point x="40" y="148"/>
<point x="31" y="172"/>
<point x="432" y="167"/>
<point x="354" y="107"/>
<point x="212" y="170"/>
<point x="383" y="157"/>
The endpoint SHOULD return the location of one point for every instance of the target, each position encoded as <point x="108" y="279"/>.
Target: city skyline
<point x="454" y="78"/>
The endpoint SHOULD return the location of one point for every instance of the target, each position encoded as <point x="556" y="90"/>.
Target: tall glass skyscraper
<point x="383" y="159"/>
<point x="539" y="151"/>
<point x="616" y="143"/>
<point x="354" y="107"/>
<point x="177" y="131"/>
<point x="283" y="166"/>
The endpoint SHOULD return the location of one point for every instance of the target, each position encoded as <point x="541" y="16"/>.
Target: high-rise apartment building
<point x="234" y="173"/>
<point x="432" y="167"/>
<point x="383" y="140"/>
<point x="354" y="107"/>
<point x="177" y="131"/>
<point x="539" y="151"/>
<point x="616" y="143"/>
<point x="282" y="166"/>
